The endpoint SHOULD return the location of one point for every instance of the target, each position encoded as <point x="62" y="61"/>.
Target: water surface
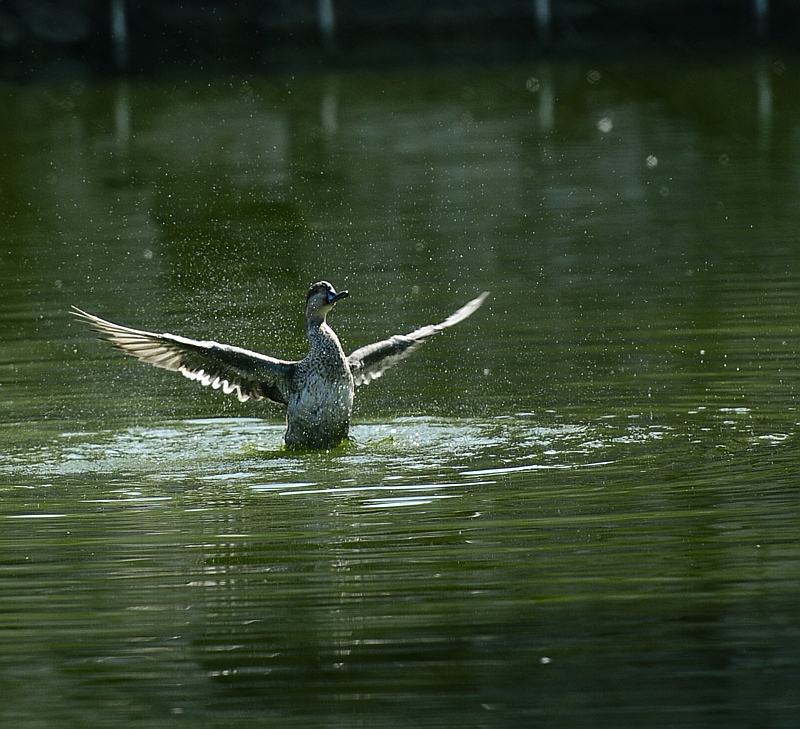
<point x="580" y="506"/>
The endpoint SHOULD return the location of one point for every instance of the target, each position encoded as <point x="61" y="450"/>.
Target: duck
<point x="317" y="390"/>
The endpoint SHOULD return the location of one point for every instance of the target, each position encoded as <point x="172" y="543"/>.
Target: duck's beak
<point x="333" y="296"/>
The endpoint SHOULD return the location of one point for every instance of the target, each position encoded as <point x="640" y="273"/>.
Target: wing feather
<point x="371" y="361"/>
<point x="234" y="370"/>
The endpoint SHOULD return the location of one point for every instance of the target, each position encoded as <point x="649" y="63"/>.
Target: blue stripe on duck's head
<point x="320" y="300"/>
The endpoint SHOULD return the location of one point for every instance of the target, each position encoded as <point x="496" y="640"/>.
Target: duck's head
<point x="320" y="300"/>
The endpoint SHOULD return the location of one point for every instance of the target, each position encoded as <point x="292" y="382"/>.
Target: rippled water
<point x="578" y="507"/>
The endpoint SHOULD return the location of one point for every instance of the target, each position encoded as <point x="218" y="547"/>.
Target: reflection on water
<point x="581" y="509"/>
<point x="480" y="566"/>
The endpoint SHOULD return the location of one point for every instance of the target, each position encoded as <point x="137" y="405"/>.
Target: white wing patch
<point x="215" y="382"/>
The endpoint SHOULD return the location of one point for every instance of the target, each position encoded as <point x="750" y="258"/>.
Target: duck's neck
<point x="318" y="329"/>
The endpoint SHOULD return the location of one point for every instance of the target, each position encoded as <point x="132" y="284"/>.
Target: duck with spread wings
<point x="317" y="390"/>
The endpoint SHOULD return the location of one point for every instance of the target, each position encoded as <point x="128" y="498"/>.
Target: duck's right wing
<point x="248" y="374"/>
<point x="370" y="362"/>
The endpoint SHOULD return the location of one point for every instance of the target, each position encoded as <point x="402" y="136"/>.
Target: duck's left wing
<point x="370" y="362"/>
<point x="248" y="374"/>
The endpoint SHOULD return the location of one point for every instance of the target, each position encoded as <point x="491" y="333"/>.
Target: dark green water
<point x="580" y="507"/>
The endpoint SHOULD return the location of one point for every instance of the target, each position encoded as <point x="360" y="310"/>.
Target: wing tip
<point x="476" y="303"/>
<point x="81" y="314"/>
<point x="465" y="311"/>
